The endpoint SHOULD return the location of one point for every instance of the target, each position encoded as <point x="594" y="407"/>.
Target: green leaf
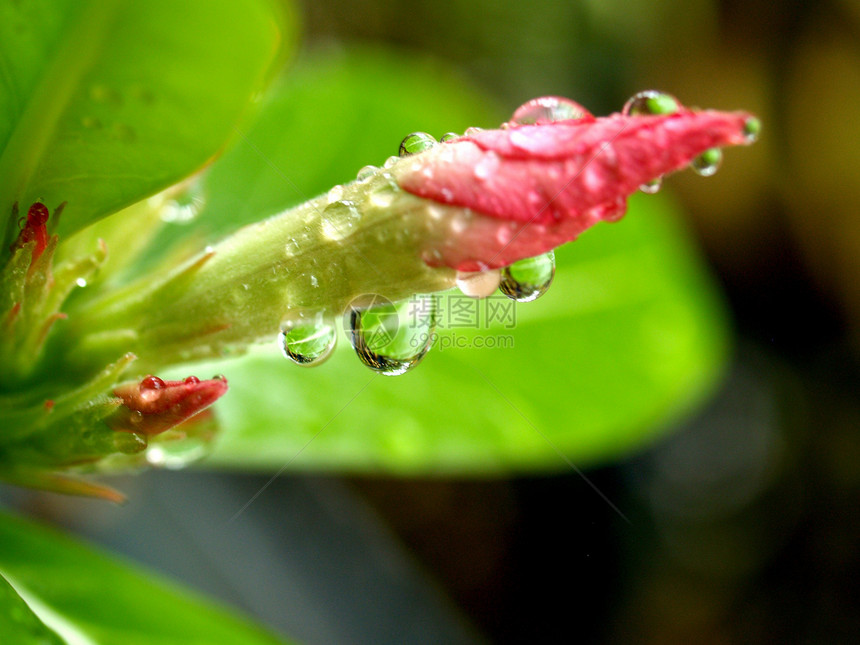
<point x="104" y="102"/>
<point x="89" y="598"/>
<point x="18" y="623"/>
<point x="630" y="336"/>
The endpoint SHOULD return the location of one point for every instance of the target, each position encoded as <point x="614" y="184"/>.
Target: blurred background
<point x="743" y="524"/>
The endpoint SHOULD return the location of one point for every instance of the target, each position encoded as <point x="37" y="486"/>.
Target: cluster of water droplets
<point x="392" y="338"/>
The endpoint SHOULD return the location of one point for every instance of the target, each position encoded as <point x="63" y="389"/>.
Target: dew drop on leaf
<point x="391" y="338"/>
<point x="415" y="143"/>
<point x="707" y="163"/>
<point x="528" y="279"/>
<point x="308" y="341"/>
<point x="651" y="102"/>
<point x="547" y="109"/>
<point x="184" y="206"/>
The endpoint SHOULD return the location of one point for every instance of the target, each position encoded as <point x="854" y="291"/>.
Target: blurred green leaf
<point x="88" y="598"/>
<point x="332" y="114"/>
<point x="18" y="623"/>
<point x="105" y="102"/>
<point x="630" y="336"/>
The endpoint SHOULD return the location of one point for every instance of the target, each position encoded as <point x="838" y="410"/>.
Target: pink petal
<point x="549" y="182"/>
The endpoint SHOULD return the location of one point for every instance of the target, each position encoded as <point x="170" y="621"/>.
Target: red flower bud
<point x="153" y="405"/>
<point x="540" y="185"/>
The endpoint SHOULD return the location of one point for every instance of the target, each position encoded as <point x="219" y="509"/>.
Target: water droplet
<point x="652" y="186"/>
<point x="174" y="454"/>
<point x="449" y="136"/>
<point x="651" y="102"/>
<point x="366" y="173"/>
<point x="307" y="341"/>
<point x="528" y="279"/>
<point x="339" y="219"/>
<point x="473" y="130"/>
<point x="415" y="143"/>
<point x="478" y="284"/>
<point x="129" y="443"/>
<point x="81" y="282"/>
<point x="547" y="109"/>
<point x="707" y="163"/>
<point x="391" y="338"/>
<point x="335" y="194"/>
<point x="390" y="161"/>
<point x="382" y="198"/>
<point x="752" y="127"/>
<point x="150" y="387"/>
<point x="185" y="205"/>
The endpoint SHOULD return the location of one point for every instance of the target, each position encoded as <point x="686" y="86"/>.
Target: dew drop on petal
<point x="392" y="338"/>
<point x="547" y="109"/>
<point x="308" y="341"/>
<point x="472" y="130"/>
<point x="652" y="187"/>
<point x="478" y="284"/>
<point x="415" y="143"/>
<point x="528" y="279"/>
<point x="339" y="219"/>
<point x="707" y="163"/>
<point x="650" y="102"/>
<point x="449" y="136"/>
<point x="150" y="387"/>
<point x="752" y="127"/>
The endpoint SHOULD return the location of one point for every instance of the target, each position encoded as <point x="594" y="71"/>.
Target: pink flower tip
<point x="153" y="405"/>
<point x="553" y="172"/>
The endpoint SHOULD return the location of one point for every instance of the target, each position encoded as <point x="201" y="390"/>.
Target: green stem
<point x="367" y="237"/>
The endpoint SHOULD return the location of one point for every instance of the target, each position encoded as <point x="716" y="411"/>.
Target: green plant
<point x="111" y="105"/>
